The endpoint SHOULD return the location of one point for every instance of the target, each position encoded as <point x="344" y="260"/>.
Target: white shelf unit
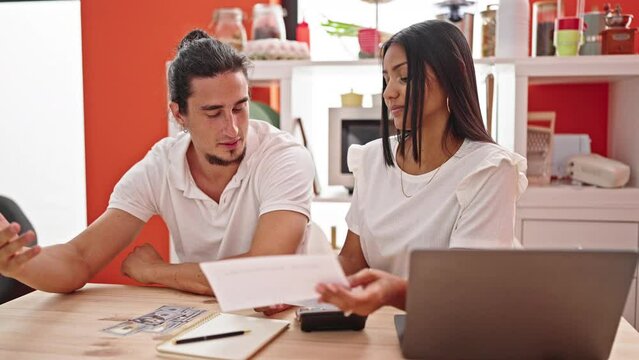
<point x="569" y="216"/>
<point x="512" y="77"/>
<point x="621" y="72"/>
<point x="552" y="216"/>
<point x="283" y="72"/>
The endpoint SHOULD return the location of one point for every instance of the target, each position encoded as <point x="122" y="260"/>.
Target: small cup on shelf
<point x="568" y="36"/>
<point x="369" y="40"/>
<point x="352" y="99"/>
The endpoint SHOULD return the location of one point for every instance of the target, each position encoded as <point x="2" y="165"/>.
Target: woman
<point x="442" y="182"/>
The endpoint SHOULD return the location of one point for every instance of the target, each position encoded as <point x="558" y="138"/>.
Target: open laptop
<point x="514" y="304"/>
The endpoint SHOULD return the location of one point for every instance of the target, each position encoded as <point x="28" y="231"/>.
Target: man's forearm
<point x="59" y="268"/>
<point x="186" y="277"/>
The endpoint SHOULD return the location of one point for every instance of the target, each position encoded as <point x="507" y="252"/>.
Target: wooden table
<point x="52" y="326"/>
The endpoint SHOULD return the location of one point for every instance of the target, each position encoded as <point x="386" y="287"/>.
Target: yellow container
<point x="352" y="99"/>
<point x="567" y="42"/>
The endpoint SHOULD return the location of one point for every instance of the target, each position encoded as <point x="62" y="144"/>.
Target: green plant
<point x="337" y="28"/>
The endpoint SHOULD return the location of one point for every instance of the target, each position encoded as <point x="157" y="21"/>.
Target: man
<point x="226" y="187"/>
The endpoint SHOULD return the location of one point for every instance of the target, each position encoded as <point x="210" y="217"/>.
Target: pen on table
<point x="211" y="337"/>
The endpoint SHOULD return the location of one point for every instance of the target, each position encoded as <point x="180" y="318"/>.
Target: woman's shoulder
<point x="374" y="146"/>
<point x="486" y="153"/>
<point x="484" y="159"/>
<point x="367" y="153"/>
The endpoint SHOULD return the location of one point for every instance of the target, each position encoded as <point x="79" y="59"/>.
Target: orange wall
<point x="125" y="44"/>
<point x="580" y="108"/>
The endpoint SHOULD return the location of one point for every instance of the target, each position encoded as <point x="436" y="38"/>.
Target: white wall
<point x="41" y="115"/>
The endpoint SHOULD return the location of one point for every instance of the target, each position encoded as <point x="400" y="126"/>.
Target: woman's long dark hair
<point x="442" y="47"/>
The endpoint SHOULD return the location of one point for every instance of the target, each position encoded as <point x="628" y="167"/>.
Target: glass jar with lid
<point x="544" y="13"/>
<point x="268" y="22"/>
<point x="227" y="27"/>
<point x="488" y="30"/>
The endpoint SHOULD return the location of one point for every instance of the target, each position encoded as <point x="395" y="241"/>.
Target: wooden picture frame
<point x="297" y="123"/>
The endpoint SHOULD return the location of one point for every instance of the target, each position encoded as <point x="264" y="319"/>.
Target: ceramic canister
<point x="595" y="23"/>
<point x="512" y="28"/>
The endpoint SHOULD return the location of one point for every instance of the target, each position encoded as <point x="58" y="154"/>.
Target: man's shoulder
<point x="165" y="146"/>
<point x="164" y="154"/>
<point x="277" y="149"/>
<point x="271" y="140"/>
<point x="265" y="130"/>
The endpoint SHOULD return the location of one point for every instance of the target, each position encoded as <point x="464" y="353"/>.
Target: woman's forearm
<point x="351" y="265"/>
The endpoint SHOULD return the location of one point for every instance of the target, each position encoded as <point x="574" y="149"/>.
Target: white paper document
<point x="268" y="280"/>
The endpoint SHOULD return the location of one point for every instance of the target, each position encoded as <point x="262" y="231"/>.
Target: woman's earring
<point x="448" y="104"/>
<point x="184" y="129"/>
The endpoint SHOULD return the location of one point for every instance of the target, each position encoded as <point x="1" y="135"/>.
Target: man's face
<point x="218" y="116"/>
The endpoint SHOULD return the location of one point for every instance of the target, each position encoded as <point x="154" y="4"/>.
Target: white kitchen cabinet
<point x="579" y="234"/>
<point x="568" y="217"/>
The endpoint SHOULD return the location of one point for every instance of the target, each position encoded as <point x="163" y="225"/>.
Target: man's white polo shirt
<point x="275" y="174"/>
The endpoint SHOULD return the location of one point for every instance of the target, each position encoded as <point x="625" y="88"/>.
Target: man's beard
<point x="215" y="160"/>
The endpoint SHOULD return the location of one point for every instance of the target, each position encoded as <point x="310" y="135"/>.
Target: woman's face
<point x="395" y="71"/>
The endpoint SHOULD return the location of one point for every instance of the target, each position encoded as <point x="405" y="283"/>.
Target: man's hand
<point x="140" y="263"/>
<point x="13" y="251"/>
<point x="379" y="289"/>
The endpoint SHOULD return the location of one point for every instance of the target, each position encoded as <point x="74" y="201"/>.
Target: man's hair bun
<point x="194" y="35"/>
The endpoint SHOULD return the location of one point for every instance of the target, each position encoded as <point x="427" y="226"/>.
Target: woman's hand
<point x="379" y="289"/>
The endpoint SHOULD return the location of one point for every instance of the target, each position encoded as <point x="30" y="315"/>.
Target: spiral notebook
<point x="262" y="331"/>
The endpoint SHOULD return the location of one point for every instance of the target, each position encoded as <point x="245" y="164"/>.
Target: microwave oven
<point x="350" y="126"/>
